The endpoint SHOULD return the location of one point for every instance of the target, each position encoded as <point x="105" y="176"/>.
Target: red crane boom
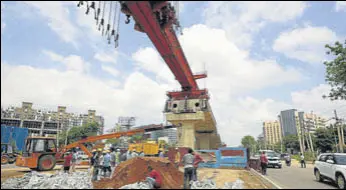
<point x="156" y="19"/>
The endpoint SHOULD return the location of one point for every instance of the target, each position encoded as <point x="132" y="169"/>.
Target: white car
<point x="331" y="166"/>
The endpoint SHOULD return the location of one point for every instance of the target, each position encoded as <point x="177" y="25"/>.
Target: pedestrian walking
<point x="302" y="161"/>
<point x="67" y="162"/>
<point x="107" y="164"/>
<point x="197" y="159"/>
<point x="264" y="163"/>
<point x="74" y="161"/>
<point x="187" y="161"/>
<point x="177" y="158"/>
<point x="161" y="154"/>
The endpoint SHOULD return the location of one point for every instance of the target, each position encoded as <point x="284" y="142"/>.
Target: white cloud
<point x="110" y="70"/>
<point x="241" y="19"/>
<point x="72" y="62"/>
<point x="311" y="100"/>
<point x="58" y="19"/>
<point x="107" y="57"/>
<point x="80" y="92"/>
<point x="340" y="6"/>
<point x="305" y="44"/>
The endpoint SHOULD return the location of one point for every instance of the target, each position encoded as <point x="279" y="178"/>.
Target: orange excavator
<point x="42" y="154"/>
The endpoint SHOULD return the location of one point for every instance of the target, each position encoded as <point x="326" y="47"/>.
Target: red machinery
<point x="156" y="19"/>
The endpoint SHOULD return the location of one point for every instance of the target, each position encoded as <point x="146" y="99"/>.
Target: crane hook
<point x="127" y="21"/>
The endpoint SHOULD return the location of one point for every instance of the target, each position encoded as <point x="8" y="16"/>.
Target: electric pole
<point x="311" y="145"/>
<point x="340" y="132"/>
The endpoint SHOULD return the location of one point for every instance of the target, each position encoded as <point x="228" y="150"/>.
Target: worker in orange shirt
<point x="197" y="159"/>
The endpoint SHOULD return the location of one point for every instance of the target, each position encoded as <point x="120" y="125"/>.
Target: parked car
<point x="331" y="166"/>
<point x="273" y="158"/>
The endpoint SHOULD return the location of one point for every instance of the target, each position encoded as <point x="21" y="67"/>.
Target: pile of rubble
<point x="60" y="180"/>
<point x="131" y="174"/>
<point x="210" y="184"/>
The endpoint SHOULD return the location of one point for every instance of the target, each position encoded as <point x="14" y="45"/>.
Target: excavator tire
<point x="4" y="159"/>
<point x="12" y="159"/>
<point x="46" y="162"/>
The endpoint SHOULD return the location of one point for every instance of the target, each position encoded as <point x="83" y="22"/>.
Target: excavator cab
<point x="39" y="154"/>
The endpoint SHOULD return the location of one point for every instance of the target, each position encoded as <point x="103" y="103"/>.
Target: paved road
<point x="295" y="177"/>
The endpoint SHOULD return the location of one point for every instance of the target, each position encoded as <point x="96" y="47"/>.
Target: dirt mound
<point x="135" y="170"/>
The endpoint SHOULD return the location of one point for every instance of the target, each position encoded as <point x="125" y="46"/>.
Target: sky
<point x="261" y="58"/>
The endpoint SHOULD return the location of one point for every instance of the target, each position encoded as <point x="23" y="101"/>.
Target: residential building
<point x="272" y="132"/>
<point x="43" y="122"/>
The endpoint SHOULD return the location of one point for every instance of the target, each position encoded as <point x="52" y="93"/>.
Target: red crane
<point x="156" y="19"/>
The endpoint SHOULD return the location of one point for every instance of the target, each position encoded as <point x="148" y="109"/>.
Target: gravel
<point x="60" y="180"/>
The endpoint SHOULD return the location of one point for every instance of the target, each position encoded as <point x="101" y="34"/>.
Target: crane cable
<point x="98" y="13"/>
<point x="109" y="21"/>
<point x="116" y="37"/>
<point x="103" y="18"/>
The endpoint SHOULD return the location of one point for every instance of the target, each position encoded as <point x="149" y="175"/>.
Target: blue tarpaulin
<point x="11" y="134"/>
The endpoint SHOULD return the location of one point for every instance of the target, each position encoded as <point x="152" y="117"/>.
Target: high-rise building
<point x="272" y="132"/>
<point x="288" y="120"/>
<point x="170" y="133"/>
<point x="42" y="122"/>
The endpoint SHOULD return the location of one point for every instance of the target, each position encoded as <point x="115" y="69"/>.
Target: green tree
<point x="325" y="139"/>
<point x="114" y="142"/>
<point x="336" y="71"/>
<point x="249" y="142"/>
<point x="78" y="132"/>
<point x="291" y="141"/>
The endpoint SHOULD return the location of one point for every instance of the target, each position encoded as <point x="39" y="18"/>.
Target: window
<point x="322" y="158"/>
<point x="330" y="157"/>
<point x="39" y="145"/>
<point x="51" y="144"/>
<point x="340" y="159"/>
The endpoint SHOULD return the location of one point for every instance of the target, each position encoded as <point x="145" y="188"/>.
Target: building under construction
<point x="40" y="122"/>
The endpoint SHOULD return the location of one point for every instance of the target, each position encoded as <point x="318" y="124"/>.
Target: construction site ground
<point x="11" y="171"/>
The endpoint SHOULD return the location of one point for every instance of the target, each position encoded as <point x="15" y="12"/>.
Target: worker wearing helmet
<point x="97" y="164"/>
<point x="106" y="163"/>
<point x="117" y="157"/>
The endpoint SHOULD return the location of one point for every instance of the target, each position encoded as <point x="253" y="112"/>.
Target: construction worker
<point x="187" y="161"/>
<point x="96" y="165"/>
<point x="177" y="158"/>
<point x="128" y="154"/>
<point x="134" y="153"/>
<point x="161" y="154"/>
<point x="92" y="157"/>
<point x="112" y="157"/>
<point x="117" y="157"/>
<point x="106" y="163"/>
<point x="197" y="159"/>
<point x="67" y="161"/>
<point x="74" y="161"/>
<point x="154" y="179"/>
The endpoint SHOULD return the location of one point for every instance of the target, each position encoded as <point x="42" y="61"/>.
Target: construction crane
<point x="157" y="19"/>
<point x="41" y="153"/>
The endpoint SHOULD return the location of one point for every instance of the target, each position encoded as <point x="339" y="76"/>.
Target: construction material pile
<point x="135" y="170"/>
<point x="60" y="180"/>
<point x="210" y="184"/>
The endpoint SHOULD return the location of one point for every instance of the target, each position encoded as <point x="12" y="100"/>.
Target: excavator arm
<point x="80" y="143"/>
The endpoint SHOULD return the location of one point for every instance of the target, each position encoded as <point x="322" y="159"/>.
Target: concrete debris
<point x="210" y="184"/>
<point x="60" y="180"/>
<point x="139" y="185"/>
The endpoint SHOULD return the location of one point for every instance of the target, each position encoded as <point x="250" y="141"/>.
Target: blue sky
<point x="262" y="57"/>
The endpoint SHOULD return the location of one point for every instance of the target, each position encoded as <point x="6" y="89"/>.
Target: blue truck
<point x="12" y="142"/>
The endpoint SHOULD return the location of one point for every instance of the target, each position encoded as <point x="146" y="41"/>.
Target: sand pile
<point x="135" y="170"/>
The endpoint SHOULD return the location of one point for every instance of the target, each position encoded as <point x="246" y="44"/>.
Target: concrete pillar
<point x="204" y="142"/>
<point x="187" y="129"/>
<point x="42" y="126"/>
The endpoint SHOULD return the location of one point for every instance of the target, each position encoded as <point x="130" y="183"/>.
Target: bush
<point x="307" y="155"/>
